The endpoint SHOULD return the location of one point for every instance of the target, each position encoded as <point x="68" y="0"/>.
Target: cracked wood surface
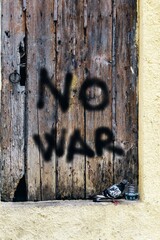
<point x="12" y="101"/>
<point x="89" y="39"/>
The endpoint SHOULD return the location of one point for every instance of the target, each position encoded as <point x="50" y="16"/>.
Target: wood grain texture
<point x="12" y="102"/>
<point x="89" y="39"/>
<point x="70" y="175"/>
<point x="125" y="79"/>
<point x="99" y="170"/>
<point x="41" y="54"/>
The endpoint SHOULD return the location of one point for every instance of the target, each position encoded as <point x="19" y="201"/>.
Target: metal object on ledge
<point x="131" y="194"/>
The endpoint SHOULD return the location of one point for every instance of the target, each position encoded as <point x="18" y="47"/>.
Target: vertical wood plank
<point x="78" y="186"/>
<point x="41" y="55"/>
<point x="125" y="78"/>
<point x="12" y="110"/>
<point x="85" y="39"/>
<point x="47" y="115"/>
<point x="0" y="111"/>
<point x="33" y="159"/>
<point x="99" y="170"/>
<point x="70" y="175"/>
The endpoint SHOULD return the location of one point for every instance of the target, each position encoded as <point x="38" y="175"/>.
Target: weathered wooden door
<point x="69" y="97"/>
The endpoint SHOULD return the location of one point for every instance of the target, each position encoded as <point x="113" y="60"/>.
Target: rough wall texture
<point x="137" y="221"/>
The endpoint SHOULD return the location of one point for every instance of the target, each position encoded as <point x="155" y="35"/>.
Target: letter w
<point x="51" y="144"/>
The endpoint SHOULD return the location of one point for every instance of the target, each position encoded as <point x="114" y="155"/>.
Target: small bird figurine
<point x="111" y="193"/>
<point x="116" y="190"/>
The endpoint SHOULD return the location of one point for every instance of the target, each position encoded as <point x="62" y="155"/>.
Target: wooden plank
<point x="99" y="169"/>
<point x="78" y="182"/>
<point x="70" y="41"/>
<point x="0" y="113"/>
<point x="12" y="108"/>
<point x="41" y="55"/>
<point x="47" y="115"/>
<point x="125" y="78"/>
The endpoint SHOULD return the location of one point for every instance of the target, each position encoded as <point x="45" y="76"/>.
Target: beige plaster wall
<point x="88" y="221"/>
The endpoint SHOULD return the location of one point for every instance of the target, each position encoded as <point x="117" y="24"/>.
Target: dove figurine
<point x="116" y="190"/>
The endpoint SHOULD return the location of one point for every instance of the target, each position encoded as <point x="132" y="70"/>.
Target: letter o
<point x="88" y="83"/>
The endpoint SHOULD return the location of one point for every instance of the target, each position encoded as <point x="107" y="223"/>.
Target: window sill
<point x="65" y="203"/>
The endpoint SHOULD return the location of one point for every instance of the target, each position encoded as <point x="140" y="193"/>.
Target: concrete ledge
<point x="66" y="203"/>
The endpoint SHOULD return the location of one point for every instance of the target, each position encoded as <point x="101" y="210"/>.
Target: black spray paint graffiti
<point x="101" y="143"/>
<point x="63" y="99"/>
